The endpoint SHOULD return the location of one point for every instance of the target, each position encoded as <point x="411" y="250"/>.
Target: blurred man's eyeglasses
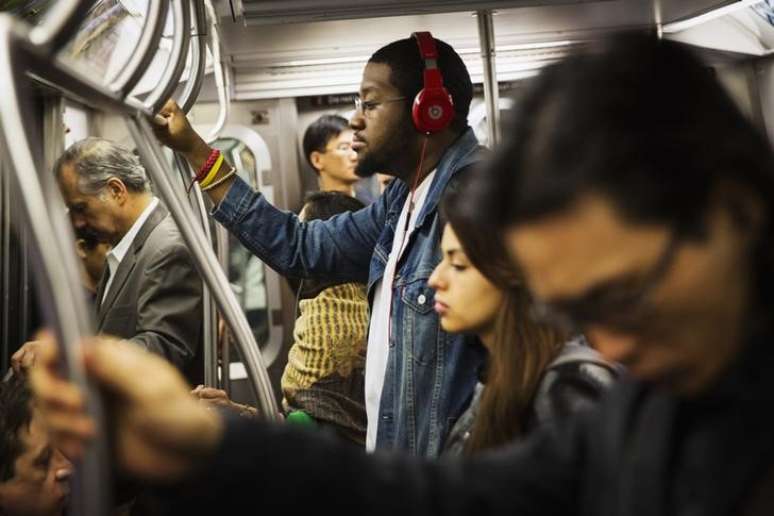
<point x="621" y="307"/>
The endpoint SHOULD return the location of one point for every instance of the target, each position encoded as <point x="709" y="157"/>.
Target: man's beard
<point x="390" y="157"/>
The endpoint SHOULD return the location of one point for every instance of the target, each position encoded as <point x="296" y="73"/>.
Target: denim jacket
<point x="430" y="374"/>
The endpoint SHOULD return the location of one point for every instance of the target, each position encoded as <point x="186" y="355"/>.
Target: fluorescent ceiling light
<point x="246" y="61"/>
<point x="689" y="23"/>
<point x="537" y="46"/>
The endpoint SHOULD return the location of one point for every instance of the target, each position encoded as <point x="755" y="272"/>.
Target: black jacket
<point x="572" y="382"/>
<point x="642" y="452"/>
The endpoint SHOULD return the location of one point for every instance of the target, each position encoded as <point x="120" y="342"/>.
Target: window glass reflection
<point x="107" y="38"/>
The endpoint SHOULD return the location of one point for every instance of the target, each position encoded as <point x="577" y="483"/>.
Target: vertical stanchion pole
<point x="491" y="93"/>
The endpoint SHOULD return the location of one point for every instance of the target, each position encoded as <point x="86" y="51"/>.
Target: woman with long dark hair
<point x="534" y="373"/>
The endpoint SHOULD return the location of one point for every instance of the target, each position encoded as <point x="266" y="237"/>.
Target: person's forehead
<point x="343" y="136"/>
<point x="564" y="255"/>
<point x="449" y="237"/>
<point x="68" y="179"/>
<point x="376" y="79"/>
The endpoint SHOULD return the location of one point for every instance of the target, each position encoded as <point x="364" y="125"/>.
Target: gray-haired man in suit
<point x="150" y="292"/>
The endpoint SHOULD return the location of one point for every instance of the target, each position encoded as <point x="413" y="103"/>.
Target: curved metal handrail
<point x="60" y="24"/>
<point x="53" y="256"/>
<point x="210" y="269"/>
<point x="221" y="81"/>
<point x="152" y="30"/>
<point x="198" y="57"/>
<point x="210" y="323"/>
<point x="181" y="14"/>
<point x="211" y="330"/>
<point x="60" y="77"/>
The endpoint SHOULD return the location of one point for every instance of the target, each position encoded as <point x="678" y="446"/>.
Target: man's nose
<point x="357" y="121"/>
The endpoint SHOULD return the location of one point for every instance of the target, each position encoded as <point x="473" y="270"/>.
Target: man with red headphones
<point x="411" y="122"/>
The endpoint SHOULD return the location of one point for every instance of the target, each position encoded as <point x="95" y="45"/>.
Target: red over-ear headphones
<point x="433" y="109"/>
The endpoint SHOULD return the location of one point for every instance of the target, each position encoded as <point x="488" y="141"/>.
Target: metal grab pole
<point x="53" y="256"/>
<point x="198" y="57"/>
<point x="204" y="258"/>
<point x="491" y="92"/>
<point x="181" y="13"/>
<point x="221" y="246"/>
<point x="210" y="313"/>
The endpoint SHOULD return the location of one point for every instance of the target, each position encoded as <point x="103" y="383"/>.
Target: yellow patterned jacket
<point x="324" y="375"/>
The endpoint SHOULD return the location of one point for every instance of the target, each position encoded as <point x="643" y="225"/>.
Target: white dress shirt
<point x="116" y="255"/>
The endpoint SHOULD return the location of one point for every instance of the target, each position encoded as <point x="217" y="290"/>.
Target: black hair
<point x="407" y="74"/>
<point x="324" y="205"/>
<point x="643" y="123"/>
<point x="640" y="121"/>
<point x="15" y="414"/>
<point x="320" y="132"/>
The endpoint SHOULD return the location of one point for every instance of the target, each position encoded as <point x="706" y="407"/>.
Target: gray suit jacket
<point x="155" y="299"/>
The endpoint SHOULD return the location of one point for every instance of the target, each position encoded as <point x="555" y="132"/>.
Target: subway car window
<point x="107" y="38"/>
<point x="246" y="272"/>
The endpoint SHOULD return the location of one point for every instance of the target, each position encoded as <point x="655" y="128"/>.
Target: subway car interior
<point x="252" y="76"/>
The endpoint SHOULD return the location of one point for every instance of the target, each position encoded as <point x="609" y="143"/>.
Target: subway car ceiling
<point x="296" y="48"/>
<point x="274" y="51"/>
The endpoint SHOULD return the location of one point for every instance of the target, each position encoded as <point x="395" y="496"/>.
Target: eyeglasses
<point x="342" y="147"/>
<point x="368" y="106"/>
<point x="621" y="307"/>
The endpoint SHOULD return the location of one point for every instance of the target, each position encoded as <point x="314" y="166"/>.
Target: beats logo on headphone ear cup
<point x="432" y="110"/>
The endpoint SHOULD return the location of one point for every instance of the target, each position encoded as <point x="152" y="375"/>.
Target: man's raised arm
<point x="336" y="249"/>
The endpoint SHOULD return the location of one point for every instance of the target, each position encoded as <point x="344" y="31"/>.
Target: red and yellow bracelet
<point x="212" y="173"/>
<point x="209" y="169"/>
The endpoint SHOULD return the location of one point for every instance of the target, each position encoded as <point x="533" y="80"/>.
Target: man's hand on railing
<point x="24" y="358"/>
<point x="219" y="398"/>
<point x="174" y="130"/>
